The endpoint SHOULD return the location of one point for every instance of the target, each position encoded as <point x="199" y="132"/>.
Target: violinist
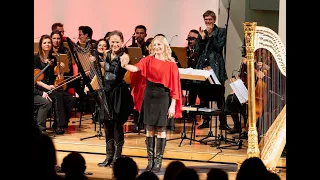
<point x="118" y="98"/>
<point x="58" y="47"/>
<point x="63" y="103"/>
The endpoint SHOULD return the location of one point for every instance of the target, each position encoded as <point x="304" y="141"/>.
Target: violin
<point x="59" y="71"/>
<point x="38" y="74"/>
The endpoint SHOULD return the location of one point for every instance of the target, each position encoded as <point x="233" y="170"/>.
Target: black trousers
<point x="207" y="93"/>
<point x="234" y="106"/>
<point x="42" y="107"/>
<point x="113" y="130"/>
<point x="63" y="104"/>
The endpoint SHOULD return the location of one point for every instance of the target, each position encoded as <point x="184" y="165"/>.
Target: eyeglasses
<point x="191" y="38"/>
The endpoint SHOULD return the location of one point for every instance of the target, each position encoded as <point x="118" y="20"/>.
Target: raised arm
<point x="124" y="64"/>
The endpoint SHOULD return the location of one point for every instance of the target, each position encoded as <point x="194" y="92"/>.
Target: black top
<point x="113" y="72"/>
<point x="49" y="76"/>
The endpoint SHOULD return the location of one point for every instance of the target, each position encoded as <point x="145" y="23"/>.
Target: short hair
<point x="130" y="166"/>
<point x="194" y="31"/>
<point x="107" y="35"/>
<point x="86" y="30"/>
<point x="159" y="35"/>
<point x="141" y="27"/>
<point x="73" y="163"/>
<point x="209" y="13"/>
<point x="116" y="32"/>
<point x="217" y="173"/>
<point x="55" y="25"/>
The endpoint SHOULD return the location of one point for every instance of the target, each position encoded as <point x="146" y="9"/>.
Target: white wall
<point x="282" y="21"/>
<point x="169" y="17"/>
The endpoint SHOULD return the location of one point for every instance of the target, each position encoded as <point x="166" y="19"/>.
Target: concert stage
<point x="135" y="143"/>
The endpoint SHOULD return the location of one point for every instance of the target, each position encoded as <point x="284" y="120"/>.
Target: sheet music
<point x="191" y="71"/>
<point x="240" y="90"/>
<point x="214" y="77"/>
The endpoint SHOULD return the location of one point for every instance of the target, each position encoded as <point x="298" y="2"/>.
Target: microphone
<point x="232" y="75"/>
<point x="172" y="38"/>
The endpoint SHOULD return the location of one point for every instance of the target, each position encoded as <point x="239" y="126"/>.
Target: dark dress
<point x="155" y="105"/>
<point x="117" y="91"/>
<point x="162" y="83"/>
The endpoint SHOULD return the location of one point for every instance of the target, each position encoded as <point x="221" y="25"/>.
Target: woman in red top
<point x="162" y="96"/>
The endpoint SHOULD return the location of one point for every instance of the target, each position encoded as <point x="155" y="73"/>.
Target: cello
<point x="260" y="86"/>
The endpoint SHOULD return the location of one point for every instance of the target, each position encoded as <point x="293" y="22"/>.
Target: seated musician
<point x="232" y="103"/>
<point x="192" y="58"/>
<point x="57" y="44"/>
<point x="85" y="35"/>
<point x="140" y="33"/>
<point x="42" y="105"/>
<point x="63" y="103"/>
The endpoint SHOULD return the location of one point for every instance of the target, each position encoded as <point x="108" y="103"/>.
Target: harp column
<point x="253" y="146"/>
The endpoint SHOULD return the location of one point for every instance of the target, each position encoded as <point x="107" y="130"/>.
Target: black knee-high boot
<point x="150" y="143"/>
<point x="161" y="144"/>
<point x="117" y="152"/>
<point x="110" y="153"/>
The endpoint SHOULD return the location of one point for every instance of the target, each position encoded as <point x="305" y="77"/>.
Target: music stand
<point x="35" y="47"/>
<point x="135" y="54"/>
<point x="181" y="53"/>
<point x="188" y="76"/>
<point x="212" y="93"/>
<point x="65" y="44"/>
<point x="64" y="59"/>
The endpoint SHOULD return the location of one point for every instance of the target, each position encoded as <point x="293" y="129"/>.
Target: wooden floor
<point x="201" y="156"/>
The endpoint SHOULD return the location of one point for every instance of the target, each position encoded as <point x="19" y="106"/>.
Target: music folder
<point x="135" y="54"/>
<point x="64" y="59"/>
<point x="36" y="47"/>
<point x="199" y="74"/>
<point x="65" y="44"/>
<point x="240" y="90"/>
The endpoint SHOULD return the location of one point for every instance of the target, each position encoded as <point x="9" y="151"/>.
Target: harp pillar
<point x="253" y="146"/>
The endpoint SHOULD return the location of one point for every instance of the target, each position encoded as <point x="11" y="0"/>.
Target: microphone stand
<point x="227" y="24"/>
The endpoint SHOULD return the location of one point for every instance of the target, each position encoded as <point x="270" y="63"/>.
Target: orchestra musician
<point x="63" y="103"/>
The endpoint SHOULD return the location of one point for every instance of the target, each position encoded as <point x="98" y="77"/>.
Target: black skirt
<point x="156" y="100"/>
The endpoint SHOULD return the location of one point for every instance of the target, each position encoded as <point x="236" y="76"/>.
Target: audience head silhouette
<point x="125" y="168"/>
<point x="217" y="174"/>
<point x="173" y="169"/>
<point x="252" y="168"/>
<point x="147" y="175"/>
<point x="187" y="173"/>
<point x="74" y="165"/>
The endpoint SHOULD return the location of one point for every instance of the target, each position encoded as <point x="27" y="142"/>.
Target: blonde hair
<point x="167" y="49"/>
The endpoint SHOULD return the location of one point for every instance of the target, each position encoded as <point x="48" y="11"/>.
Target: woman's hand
<point x="124" y="59"/>
<point x="50" y="87"/>
<point x="62" y="64"/>
<point x="171" y="112"/>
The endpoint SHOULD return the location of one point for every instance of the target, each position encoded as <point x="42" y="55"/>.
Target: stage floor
<point x="135" y="143"/>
